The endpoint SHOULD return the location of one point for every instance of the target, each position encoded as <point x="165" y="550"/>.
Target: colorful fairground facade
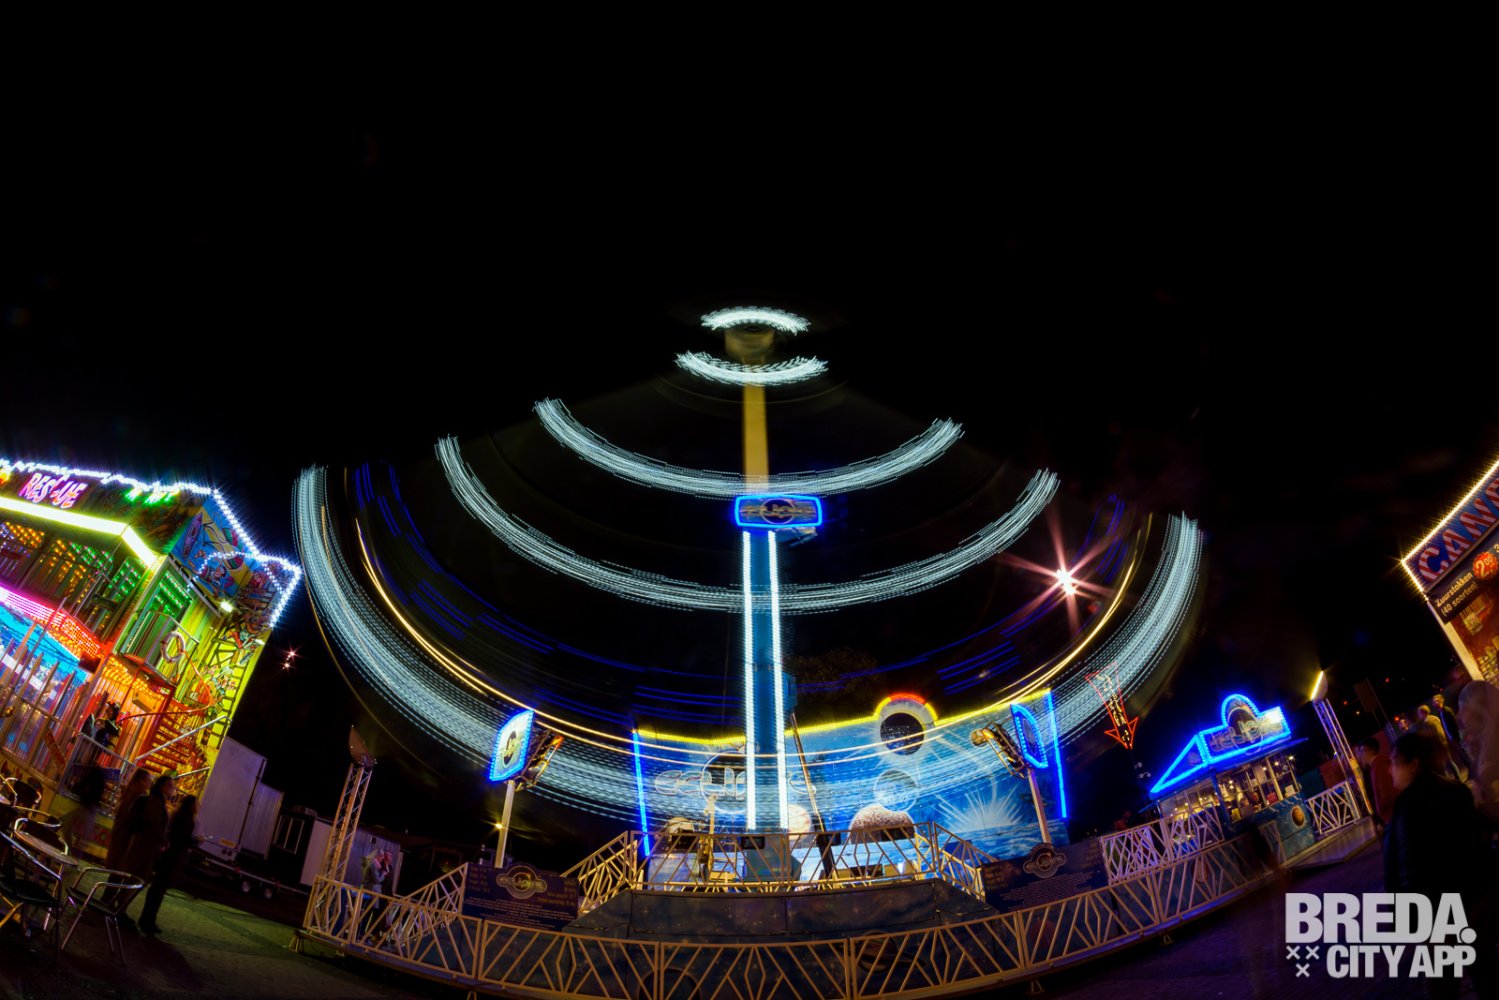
<point x="147" y="597"/>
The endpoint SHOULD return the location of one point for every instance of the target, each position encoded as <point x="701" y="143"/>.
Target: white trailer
<point x="237" y="812"/>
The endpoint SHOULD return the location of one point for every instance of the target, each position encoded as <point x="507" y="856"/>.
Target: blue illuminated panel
<point x="866" y="771"/>
<point x="1209" y="749"/>
<point x="768" y="511"/>
<point x="512" y="746"/>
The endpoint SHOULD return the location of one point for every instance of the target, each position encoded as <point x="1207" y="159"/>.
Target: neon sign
<point x="512" y="746"/>
<point x="1245" y="730"/>
<point x="777" y="510"/>
<point x="1113" y="703"/>
<point x="60" y="490"/>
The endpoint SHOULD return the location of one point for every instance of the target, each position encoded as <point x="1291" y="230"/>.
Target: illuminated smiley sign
<point x="769" y="511"/>
<point x="512" y="745"/>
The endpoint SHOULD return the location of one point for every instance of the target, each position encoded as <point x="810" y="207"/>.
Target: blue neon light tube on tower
<point x="645" y="823"/>
<point x="1056" y="747"/>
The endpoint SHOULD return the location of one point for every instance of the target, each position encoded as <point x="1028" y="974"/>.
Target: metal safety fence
<point x="422" y="933"/>
<point x="777" y="862"/>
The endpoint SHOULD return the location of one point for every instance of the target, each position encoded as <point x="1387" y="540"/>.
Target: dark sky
<point x="1300" y="374"/>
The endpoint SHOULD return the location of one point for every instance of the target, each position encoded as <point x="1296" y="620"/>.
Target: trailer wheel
<point x="268" y="891"/>
<point x="245" y="886"/>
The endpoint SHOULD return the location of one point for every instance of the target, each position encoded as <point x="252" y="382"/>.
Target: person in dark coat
<point x="1434" y="843"/>
<point x="119" y="837"/>
<point x="180" y="840"/>
<point x="146" y="830"/>
<point x="1376" y="766"/>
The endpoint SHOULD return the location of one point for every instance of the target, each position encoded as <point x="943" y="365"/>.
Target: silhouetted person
<point x="1376" y="765"/>
<point x="146" y="828"/>
<point x="1453" y="729"/>
<point x="1434" y="842"/>
<point x="77" y="825"/>
<point x="139" y="783"/>
<point x="1478" y="710"/>
<point x="180" y="840"/>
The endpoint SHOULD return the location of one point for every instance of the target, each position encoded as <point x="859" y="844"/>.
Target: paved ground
<point x="209" y="948"/>
<point x="212" y="948"/>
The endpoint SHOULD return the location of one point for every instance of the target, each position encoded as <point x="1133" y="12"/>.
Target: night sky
<point x="1301" y="377"/>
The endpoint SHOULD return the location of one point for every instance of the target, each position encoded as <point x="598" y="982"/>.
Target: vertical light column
<point x="1056" y="748"/>
<point x="645" y="828"/>
<point x="749" y="684"/>
<point x="778" y="681"/>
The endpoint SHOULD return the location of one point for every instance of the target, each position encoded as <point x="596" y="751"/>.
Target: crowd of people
<point x="1435" y="790"/>
<point x="152" y="836"/>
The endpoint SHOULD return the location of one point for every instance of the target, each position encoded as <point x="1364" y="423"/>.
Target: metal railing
<point x="776" y="862"/>
<point x="1335" y="808"/>
<point x="1160" y="842"/>
<point x="971" y="955"/>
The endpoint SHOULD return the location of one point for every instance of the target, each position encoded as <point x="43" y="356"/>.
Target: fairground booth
<point x="1456" y="570"/>
<point x="1241" y="769"/>
<point x="131" y="618"/>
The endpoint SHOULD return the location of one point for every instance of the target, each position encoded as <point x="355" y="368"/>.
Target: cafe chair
<point x="108" y="892"/>
<point x="19" y="793"/>
<point x="44" y="828"/>
<point x="36" y="888"/>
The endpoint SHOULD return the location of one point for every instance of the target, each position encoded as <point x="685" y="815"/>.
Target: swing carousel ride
<point x="745" y="594"/>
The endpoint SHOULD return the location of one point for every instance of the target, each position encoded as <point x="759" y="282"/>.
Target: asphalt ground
<point x="211" y="946"/>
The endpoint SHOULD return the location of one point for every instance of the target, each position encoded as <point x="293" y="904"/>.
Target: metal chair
<point x="43" y="827"/>
<point x="21" y="794"/>
<point x="106" y="891"/>
<point x="18" y="891"/>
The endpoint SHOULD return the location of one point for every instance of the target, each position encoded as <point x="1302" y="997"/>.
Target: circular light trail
<point x="652" y="588"/>
<point x="921" y="450"/>
<point x="732" y="373"/>
<point x="781" y="320"/>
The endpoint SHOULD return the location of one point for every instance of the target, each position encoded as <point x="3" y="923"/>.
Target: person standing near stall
<point x="146" y="827"/>
<point x="119" y="838"/>
<point x="180" y="840"/>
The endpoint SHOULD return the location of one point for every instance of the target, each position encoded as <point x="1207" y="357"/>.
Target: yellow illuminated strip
<point x="1405" y="562"/>
<point x="1316" y="685"/>
<point x="86" y="522"/>
<point x="756" y="440"/>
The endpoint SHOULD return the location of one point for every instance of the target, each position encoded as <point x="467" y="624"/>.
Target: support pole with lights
<point x="1008" y="752"/>
<point x="1338" y="740"/>
<point x="522" y="751"/>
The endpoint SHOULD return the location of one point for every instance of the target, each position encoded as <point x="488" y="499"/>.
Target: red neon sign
<point x="1113" y="703"/>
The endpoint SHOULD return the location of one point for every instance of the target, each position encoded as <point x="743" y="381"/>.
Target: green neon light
<point x="86" y="522"/>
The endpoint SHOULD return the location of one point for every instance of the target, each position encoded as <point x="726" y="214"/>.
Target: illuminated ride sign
<point x="769" y="511"/>
<point x="512" y="746"/>
<point x="1466" y="526"/>
<point x="61" y="491"/>
<point x="1245" y="731"/>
